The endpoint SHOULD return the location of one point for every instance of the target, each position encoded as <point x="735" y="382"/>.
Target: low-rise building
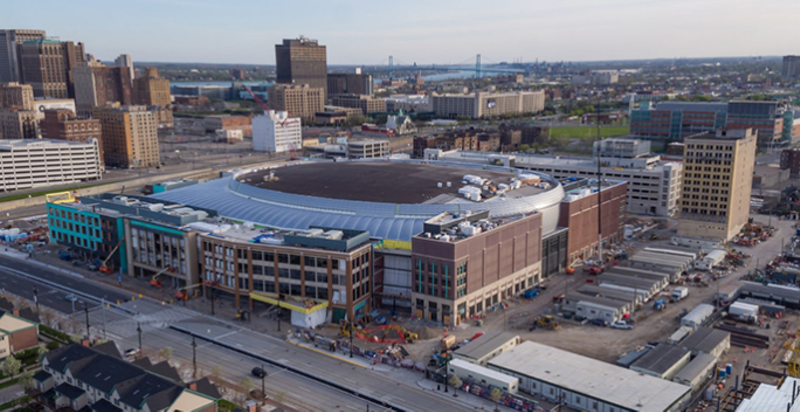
<point x="226" y="122"/>
<point x="37" y="163"/>
<point x="79" y="377"/>
<point x="367" y="149"/>
<point x="481" y="350"/>
<point x="712" y="341"/>
<point x="276" y="132"/>
<point x="587" y="384"/>
<point x="16" y="334"/>
<point x="367" y="104"/>
<point x="487" y="104"/>
<point x="474" y="373"/>
<point x="697" y="371"/>
<point x="663" y="361"/>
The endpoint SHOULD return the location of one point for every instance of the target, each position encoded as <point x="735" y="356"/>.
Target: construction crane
<point x="794" y="362"/>
<point x="105" y="269"/>
<point x="157" y="283"/>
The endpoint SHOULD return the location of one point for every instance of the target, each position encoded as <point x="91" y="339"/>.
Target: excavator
<point x="157" y="283"/>
<point x="105" y="269"/>
<point x="547" y="321"/>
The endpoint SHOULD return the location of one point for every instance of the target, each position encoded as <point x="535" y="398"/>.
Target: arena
<point x="389" y="198"/>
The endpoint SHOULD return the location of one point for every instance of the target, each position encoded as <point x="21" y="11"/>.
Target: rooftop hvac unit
<point x="314" y="232"/>
<point x="334" y="234"/>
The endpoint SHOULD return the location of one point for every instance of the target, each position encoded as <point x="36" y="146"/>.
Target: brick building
<point x="65" y="125"/>
<point x="790" y="159"/>
<point x="130" y="136"/>
<point x="99" y="86"/>
<point x="16" y="96"/>
<point x="16" y="334"/>
<point x="299" y="100"/>
<point x="366" y="103"/>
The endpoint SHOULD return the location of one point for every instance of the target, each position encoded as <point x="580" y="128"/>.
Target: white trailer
<point x="713" y="258"/>
<point x="744" y="311"/>
<point x="697" y="316"/>
<point x="484" y="376"/>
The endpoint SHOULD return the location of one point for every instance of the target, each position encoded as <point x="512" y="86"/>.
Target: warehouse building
<point x="711" y="341"/>
<point x="485" y="348"/>
<point x="474" y="373"/>
<point x="587" y="384"/>
<point x="695" y="373"/>
<point x="663" y="361"/>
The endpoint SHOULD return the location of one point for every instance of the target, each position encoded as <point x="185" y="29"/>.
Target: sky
<point x="416" y="31"/>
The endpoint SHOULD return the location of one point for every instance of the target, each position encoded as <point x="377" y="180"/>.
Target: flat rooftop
<point x="378" y="181"/>
<point x="661" y="359"/>
<point x="485" y="345"/>
<point x="593" y="378"/>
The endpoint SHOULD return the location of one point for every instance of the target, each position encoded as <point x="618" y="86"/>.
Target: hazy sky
<point x="429" y="31"/>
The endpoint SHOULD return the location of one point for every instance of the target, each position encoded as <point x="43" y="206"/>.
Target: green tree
<point x="216" y="374"/>
<point x="280" y="397"/>
<point x="11" y="366"/>
<point x="26" y="380"/>
<point x="455" y="381"/>
<point x="166" y="353"/>
<point x="246" y="384"/>
<point x="524" y="148"/>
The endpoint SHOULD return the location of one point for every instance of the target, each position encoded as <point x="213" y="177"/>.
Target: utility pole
<point x="103" y="300"/>
<point x="263" y="389"/>
<point x="194" y="358"/>
<point x="446" y="373"/>
<point x="36" y="298"/>
<point x="139" y="330"/>
<point x="86" y="310"/>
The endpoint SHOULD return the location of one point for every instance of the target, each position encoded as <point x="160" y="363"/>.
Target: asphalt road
<point x="155" y="318"/>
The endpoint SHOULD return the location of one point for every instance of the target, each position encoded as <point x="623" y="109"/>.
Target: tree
<point x="455" y="381"/>
<point x="524" y="148"/>
<point x="11" y="366"/>
<point x="216" y="374"/>
<point x="246" y="384"/>
<point x="495" y="395"/>
<point x="26" y="380"/>
<point x="47" y="316"/>
<point x="166" y="353"/>
<point x="280" y="397"/>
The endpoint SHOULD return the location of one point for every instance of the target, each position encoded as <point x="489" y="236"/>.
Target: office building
<point x="151" y="90"/>
<point x="16" y="96"/>
<point x="125" y="60"/>
<point x="773" y="120"/>
<point x="78" y="377"/>
<point x="18" y="124"/>
<point x="718" y="174"/>
<point x="276" y="132"/>
<point x="90" y="231"/>
<point x="36" y="163"/>
<point x="620" y="147"/>
<point x="485" y="104"/>
<point x="61" y="124"/>
<point x="367" y="104"/>
<point x="44" y="68"/>
<point x="461" y="268"/>
<point x="302" y="61"/>
<point x="130" y="136"/>
<point x="408" y="103"/>
<point x="74" y="56"/>
<point x="10" y="64"/>
<point x="100" y="86"/>
<point x="350" y="83"/>
<point x="299" y="100"/>
<point x="790" y="67"/>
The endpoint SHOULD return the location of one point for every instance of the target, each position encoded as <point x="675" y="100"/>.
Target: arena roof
<point x="387" y="220"/>
<point x="374" y="181"/>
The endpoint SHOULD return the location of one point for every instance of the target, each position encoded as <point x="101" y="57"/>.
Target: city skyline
<point x="206" y="31"/>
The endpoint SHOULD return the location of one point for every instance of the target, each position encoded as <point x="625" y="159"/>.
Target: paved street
<point x="395" y="386"/>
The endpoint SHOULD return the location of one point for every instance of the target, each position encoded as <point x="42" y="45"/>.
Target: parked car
<point x="258" y="372"/>
<point x="71" y="298"/>
<point x="131" y="353"/>
<point x="599" y="322"/>
<point x="620" y="324"/>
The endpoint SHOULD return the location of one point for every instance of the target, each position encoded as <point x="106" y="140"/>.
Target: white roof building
<point x="587" y="384"/>
<point x="275" y="131"/>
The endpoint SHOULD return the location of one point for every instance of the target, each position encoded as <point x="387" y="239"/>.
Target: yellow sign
<point x="272" y="299"/>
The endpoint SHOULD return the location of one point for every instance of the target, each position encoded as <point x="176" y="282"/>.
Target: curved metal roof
<point x="237" y="200"/>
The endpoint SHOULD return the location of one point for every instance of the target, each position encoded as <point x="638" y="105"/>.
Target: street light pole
<point x="446" y="373"/>
<point x="139" y="330"/>
<point x="36" y="298"/>
<point x="86" y="310"/>
<point x="263" y="389"/>
<point x="104" y="317"/>
<point x="194" y="358"/>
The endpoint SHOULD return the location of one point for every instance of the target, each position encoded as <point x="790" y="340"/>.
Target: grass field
<point x="587" y="132"/>
<point x="44" y="192"/>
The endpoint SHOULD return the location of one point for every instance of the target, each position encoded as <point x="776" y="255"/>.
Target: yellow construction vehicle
<point x="547" y="321"/>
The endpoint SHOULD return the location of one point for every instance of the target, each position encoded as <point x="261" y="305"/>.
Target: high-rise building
<point x="717" y="180"/>
<point x="350" y="83"/>
<point x="9" y="52"/>
<point x="74" y="56"/>
<point x="99" y="86"/>
<point x="791" y="66"/>
<point x="124" y="60"/>
<point x="302" y="61"/>
<point x="276" y="132"/>
<point x="45" y="68"/>
<point x="16" y="96"/>
<point x="130" y="136"/>
<point x="237" y="74"/>
<point x="299" y="100"/>
<point x="151" y="90"/>
<point x="18" y="124"/>
<point x="63" y="124"/>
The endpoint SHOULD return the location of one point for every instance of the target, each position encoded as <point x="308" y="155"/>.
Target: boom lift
<point x="157" y="283"/>
<point x="105" y="269"/>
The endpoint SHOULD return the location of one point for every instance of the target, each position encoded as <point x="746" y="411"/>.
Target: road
<point x="395" y="386"/>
